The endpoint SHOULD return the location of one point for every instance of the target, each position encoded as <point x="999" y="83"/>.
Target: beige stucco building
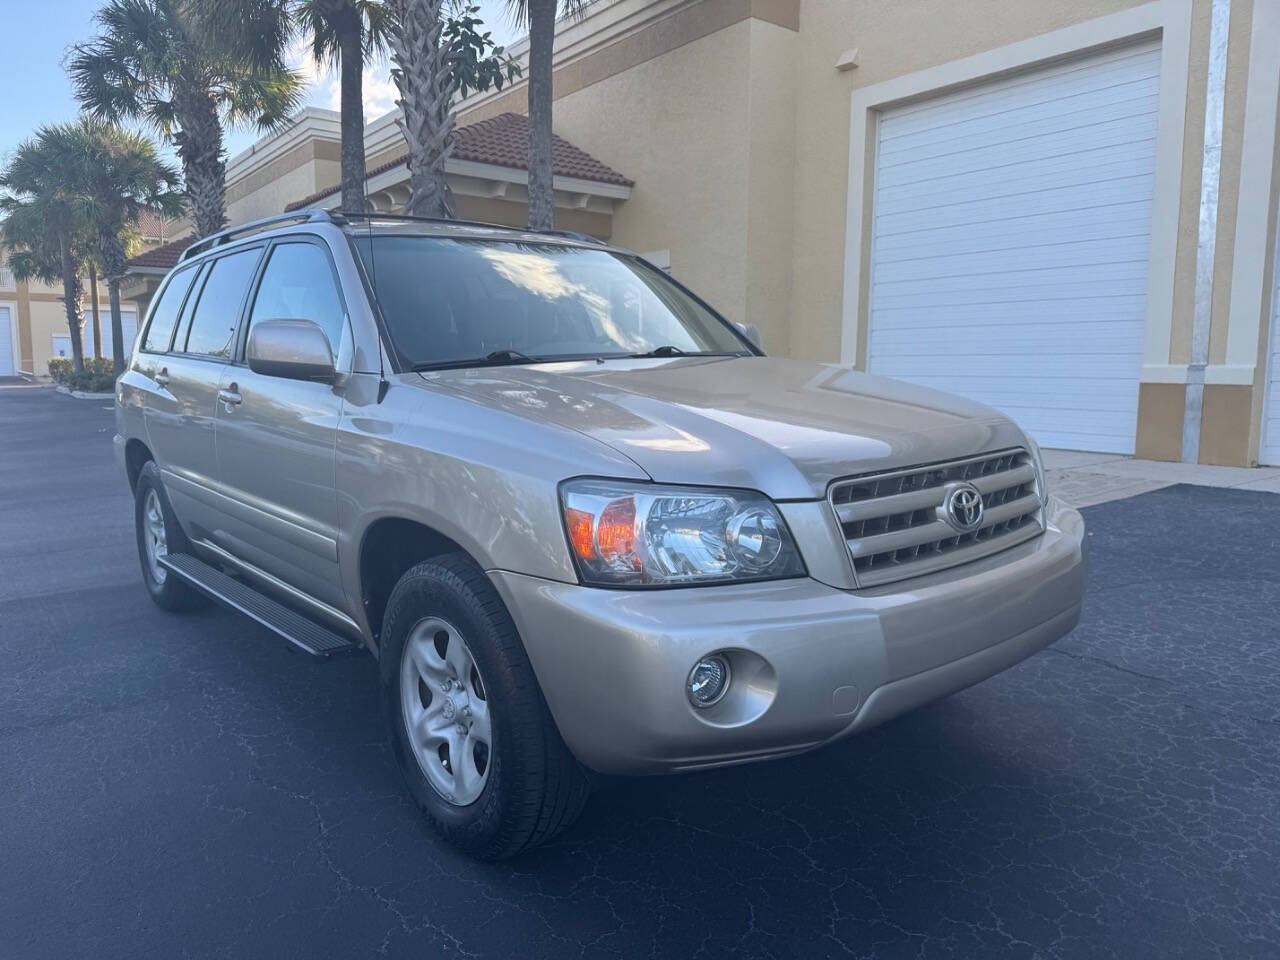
<point x="998" y="198"/>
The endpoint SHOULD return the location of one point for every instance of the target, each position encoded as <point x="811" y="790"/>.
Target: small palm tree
<point x="154" y="61"/>
<point x="45" y="223"/>
<point x="116" y="174"/>
<point x="540" y="16"/>
<point x="438" y="53"/>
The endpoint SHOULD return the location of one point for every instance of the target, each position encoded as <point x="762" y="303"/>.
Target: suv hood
<point x="784" y="427"/>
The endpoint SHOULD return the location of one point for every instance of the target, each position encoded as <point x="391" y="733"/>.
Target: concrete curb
<point x="84" y="395"/>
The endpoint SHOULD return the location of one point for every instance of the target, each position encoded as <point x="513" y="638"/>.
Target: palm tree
<point x="116" y="174"/>
<point x="346" y="33"/>
<point x="540" y="16"/>
<point x="437" y="55"/>
<point x="45" y="224"/>
<point x="154" y="61"/>
<point x="343" y="33"/>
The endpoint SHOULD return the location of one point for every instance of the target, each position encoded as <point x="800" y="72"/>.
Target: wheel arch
<point x="136" y="455"/>
<point x="389" y="546"/>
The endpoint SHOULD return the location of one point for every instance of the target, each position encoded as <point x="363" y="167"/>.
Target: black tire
<point x="535" y="787"/>
<point x="168" y="592"/>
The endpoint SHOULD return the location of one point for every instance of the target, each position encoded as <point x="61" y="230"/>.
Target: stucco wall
<point x="269" y="197"/>
<point x="678" y="125"/>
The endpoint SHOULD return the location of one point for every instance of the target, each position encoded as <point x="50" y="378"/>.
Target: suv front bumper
<point x="810" y="663"/>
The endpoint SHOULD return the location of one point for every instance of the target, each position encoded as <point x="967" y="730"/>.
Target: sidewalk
<point x="1083" y="479"/>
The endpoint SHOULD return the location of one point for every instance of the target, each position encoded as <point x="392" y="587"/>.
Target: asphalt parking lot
<point x="175" y="786"/>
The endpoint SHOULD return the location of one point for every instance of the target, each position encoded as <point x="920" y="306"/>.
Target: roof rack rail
<point x="413" y="218"/>
<point x="254" y="226"/>
<point x="574" y="235"/>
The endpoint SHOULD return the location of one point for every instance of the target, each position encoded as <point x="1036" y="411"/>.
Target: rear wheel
<point x="158" y="535"/>
<point x="470" y="730"/>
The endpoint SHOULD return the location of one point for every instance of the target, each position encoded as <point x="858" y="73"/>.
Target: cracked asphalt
<point x="185" y="786"/>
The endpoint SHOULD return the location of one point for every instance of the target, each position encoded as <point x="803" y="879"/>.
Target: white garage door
<point x="128" y="323"/>
<point x="1270" y="453"/>
<point x="1010" y="243"/>
<point x="7" y="368"/>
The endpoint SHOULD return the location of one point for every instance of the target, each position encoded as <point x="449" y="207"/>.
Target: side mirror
<point x="752" y="333"/>
<point x="293" y="349"/>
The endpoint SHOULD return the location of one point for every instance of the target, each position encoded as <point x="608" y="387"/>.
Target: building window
<point x="7" y="281"/>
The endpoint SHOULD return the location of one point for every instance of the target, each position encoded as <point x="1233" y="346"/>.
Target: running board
<point x="302" y="632"/>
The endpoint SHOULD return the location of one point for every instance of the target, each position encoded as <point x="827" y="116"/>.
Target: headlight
<point x="641" y="535"/>
<point x="1037" y="459"/>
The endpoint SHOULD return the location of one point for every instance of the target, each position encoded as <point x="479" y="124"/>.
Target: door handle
<point x="230" y="395"/>
<point x="162" y="378"/>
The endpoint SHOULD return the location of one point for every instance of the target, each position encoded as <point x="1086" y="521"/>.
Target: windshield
<point x="455" y="302"/>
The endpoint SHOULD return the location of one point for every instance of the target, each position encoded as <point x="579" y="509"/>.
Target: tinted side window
<point x="188" y="308"/>
<point x="298" y="285"/>
<point x="165" y="313"/>
<point x="213" y="325"/>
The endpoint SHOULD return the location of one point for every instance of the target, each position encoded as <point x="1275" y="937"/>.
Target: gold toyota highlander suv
<point x="581" y="520"/>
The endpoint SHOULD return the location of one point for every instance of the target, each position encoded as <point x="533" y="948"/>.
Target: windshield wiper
<point x="498" y="358"/>
<point x="668" y="350"/>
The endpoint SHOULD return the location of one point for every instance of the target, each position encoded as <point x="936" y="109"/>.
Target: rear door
<point x="179" y="416"/>
<point x="277" y="438"/>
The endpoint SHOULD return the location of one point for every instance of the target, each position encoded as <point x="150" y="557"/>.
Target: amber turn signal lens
<point x="580" y="535"/>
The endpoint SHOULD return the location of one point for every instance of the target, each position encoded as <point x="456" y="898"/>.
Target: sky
<point x="34" y="88"/>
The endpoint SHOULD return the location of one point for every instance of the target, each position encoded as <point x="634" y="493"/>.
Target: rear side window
<point x="213" y="324"/>
<point x="297" y="284"/>
<point x="165" y="313"/>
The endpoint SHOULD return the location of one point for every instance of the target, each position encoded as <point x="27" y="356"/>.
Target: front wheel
<point x="159" y="534"/>
<point x="470" y="730"/>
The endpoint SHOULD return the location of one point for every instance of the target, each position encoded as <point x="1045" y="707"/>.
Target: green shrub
<point x="99" y="373"/>
<point x="92" y="382"/>
<point x="60" y="368"/>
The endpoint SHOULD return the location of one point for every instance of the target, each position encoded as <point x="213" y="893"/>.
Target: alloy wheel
<point x="446" y="711"/>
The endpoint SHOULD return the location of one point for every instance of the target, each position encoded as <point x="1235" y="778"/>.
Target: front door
<point x="276" y="437"/>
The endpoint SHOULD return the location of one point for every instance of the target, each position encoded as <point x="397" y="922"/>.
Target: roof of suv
<point x="178" y="251"/>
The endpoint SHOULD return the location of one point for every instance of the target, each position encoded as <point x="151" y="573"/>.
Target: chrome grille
<point x="895" y="525"/>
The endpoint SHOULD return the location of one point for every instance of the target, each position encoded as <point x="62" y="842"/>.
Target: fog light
<point x="708" y="681"/>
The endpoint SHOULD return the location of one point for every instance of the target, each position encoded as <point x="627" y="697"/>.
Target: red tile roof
<point x="504" y="142"/>
<point x="152" y="226"/>
<point x="163" y="257"/>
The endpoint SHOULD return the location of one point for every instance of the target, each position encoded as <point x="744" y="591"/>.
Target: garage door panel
<point x="1042" y="87"/>
<point x="962" y="211"/>
<point x="1132" y="101"/>
<point x="1114" y="219"/>
<point x="7" y="366"/>
<point x="1010" y="245"/>
<point x="984" y="156"/>
<point x="1026" y="240"/>
<point x="1061" y="257"/>
<point x="1016" y="337"/>
<point x="1095" y="166"/>
<point x="1269" y="451"/>
<point x="1027" y="297"/>
<point x="1078" y="310"/>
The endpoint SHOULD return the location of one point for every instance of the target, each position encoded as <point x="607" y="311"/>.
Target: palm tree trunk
<point x="351" y="67"/>
<point x="113" y="265"/>
<point x="542" y="30"/>
<point x="426" y="86"/>
<point x="97" y="319"/>
<point x="71" y="302"/>
<point x="200" y="149"/>
<point x="117" y="327"/>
